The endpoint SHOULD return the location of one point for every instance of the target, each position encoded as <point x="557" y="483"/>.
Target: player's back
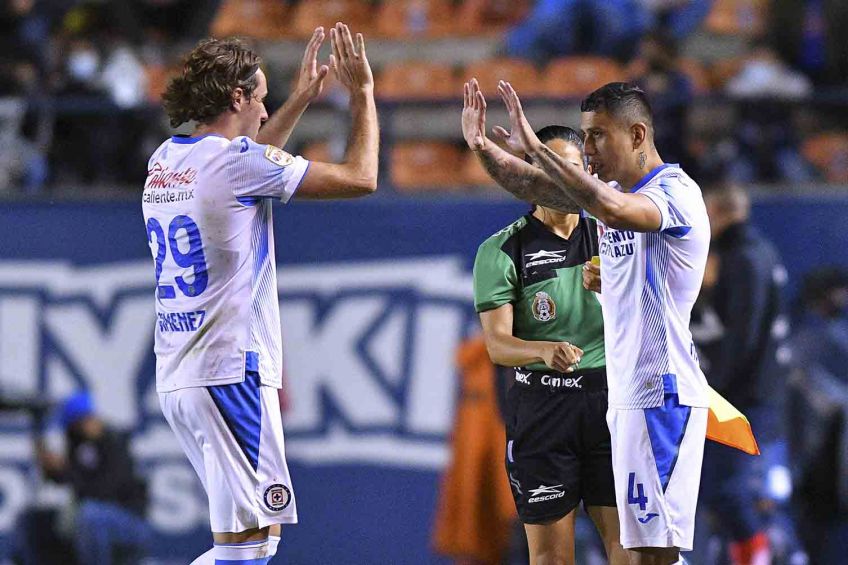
<point x="650" y="283"/>
<point x="210" y="235"/>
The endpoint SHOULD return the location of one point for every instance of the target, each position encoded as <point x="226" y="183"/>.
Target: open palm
<point x="474" y="116"/>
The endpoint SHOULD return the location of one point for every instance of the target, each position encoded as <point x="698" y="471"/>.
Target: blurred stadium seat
<point x="737" y="17"/>
<point x="481" y="17"/>
<point x="424" y="166"/>
<point x="319" y="151"/>
<point x="723" y="70"/>
<point x="262" y="19"/>
<point x="829" y="153"/>
<point x="157" y="79"/>
<point x="472" y="172"/>
<point x="575" y="76"/>
<point x="521" y="74"/>
<point x="358" y="14"/>
<point x="400" y="19"/>
<point x="697" y="73"/>
<point x="418" y="80"/>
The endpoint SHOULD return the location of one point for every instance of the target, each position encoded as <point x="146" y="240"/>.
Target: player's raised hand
<point x="310" y="78"/>
<point x="522" y="136"/>
<point x="474" y="115"/>
<point x="348" y="61"/>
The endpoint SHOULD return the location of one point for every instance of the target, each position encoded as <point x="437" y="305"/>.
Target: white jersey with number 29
<point x="207" y="208"/>
<point x="649" y="283"/>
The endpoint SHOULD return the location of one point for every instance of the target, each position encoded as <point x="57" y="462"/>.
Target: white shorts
<point x="656" y="459"/>
<point x="233" y="437"/>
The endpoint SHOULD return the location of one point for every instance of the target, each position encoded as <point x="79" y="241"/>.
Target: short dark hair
<point x="621" y="100"/>
<point x="549" y="133"/>
<point x="210" y="74"/>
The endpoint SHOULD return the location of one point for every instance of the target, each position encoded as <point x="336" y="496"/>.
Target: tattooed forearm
<point x="581" y="187"/>
<point x="524" y="181"/>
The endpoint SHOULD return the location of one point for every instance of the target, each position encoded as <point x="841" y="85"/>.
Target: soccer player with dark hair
<point x="654" y="243"/>
<point x="538" y="318"/>
<point x="207" y="207"/>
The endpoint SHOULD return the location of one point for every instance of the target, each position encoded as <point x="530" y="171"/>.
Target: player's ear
<point x="237" y="99"/>
<point x="639" y="134"/>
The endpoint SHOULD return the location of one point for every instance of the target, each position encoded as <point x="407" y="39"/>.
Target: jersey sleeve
<point x="495" y="279"/>
<point x="674" y="198"/>
<point x="263" y="171"/>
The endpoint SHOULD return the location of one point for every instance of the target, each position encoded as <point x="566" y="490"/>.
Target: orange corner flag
<point x="727" y="425"/>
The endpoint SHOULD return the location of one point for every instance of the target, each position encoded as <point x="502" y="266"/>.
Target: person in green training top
<point x="538" y="317"/>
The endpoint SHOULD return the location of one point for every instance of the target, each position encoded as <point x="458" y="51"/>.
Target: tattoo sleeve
<point x="584" y="189"/>
<point x="525" y="181"/>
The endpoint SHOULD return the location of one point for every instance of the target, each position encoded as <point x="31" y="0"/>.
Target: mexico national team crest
<point x="278" y="156"/>
<point x="544" y="307"/>
<point x="277" y="497"/>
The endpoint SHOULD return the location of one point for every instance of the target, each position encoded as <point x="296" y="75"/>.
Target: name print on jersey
<point x="615" y="243"/>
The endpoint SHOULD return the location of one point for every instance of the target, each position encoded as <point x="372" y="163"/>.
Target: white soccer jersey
<point x="207" y="208"/>
<point x="649" y="283"/>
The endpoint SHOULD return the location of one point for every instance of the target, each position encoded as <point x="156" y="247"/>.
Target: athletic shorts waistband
<point x="585" y="380"/>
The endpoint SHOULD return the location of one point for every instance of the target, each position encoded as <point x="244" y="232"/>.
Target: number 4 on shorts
<point x="636" y="492"/>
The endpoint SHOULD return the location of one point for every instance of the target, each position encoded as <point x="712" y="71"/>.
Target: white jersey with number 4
<point x="207" y="207"/>
<point x="649" y="283"/>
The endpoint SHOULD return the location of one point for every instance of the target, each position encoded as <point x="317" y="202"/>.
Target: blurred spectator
<point x="822" y="334"/>
<point x="764" y="75"/>
<point x="819" y="414"/>
<point x="611" y="28"/>
<point x="24" y="53"/>
<point x="739" y="328"/>
<point x="556" y="28"/>
<point x="810" y="35"/>
<point x="657" y="71"/>
<point x="679" y="17"/>
<point x="476" y="511"/>
<point x="764" y="147"/>
<point x="110" y="499"/>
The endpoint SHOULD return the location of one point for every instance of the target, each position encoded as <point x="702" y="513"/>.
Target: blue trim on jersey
<point x="188" y="140"/>
<point x="251" y="361"/>
<point x="256" y="561"/>
<point x="679" y="231"/>
<point x="248" y="200"/>
<point x="240" y="406"/>
<point x="666" y="428"/>
<point x="651" y="174"/>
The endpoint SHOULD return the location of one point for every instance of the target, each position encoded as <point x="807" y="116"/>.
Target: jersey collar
<point x="651" y="174"/>
<point x="186" y="140"/>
